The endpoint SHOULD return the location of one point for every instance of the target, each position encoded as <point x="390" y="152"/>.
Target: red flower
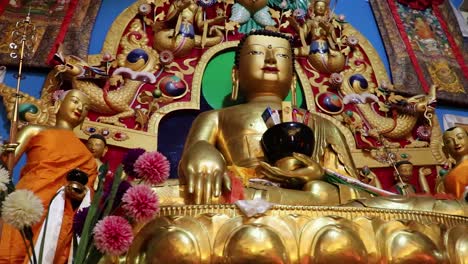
<point x="113" y="235"/>
<point x="153" y="167"/>
<point x="141" y="202"/>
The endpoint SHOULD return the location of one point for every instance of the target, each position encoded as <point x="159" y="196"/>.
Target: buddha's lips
<point x="270" y="69"/>
<point x="78" y="114"/>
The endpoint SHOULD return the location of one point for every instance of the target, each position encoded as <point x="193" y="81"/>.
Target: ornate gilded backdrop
<point x="149" y="75"/>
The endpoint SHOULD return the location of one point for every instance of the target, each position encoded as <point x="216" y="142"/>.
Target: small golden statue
<point x="404" y="174"/>
<point x="327" y="50"/>
<point x="190" y="21"/>
<point x="456" y="144"/>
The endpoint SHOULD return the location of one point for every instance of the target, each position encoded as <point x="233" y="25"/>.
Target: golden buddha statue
<point x="45" y="173"/>
<point x="456" y="145"/>
<point x="229" y="139"/>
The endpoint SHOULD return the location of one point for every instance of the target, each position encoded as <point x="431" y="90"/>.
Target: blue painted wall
<point x="357" y="12"/>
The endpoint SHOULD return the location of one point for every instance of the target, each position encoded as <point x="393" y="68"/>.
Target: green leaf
<point x="115" y="187"/>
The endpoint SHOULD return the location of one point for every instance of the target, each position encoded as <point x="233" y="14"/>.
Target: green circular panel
<point x="217" y="82"/>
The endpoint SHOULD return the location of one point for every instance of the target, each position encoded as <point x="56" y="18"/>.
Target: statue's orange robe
<point x="457" y="179"/>
<point x="50" y="155"/>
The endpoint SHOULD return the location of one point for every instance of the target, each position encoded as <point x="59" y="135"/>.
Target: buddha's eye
<point x="283" y="56"/>
<point x="255" y="52"/>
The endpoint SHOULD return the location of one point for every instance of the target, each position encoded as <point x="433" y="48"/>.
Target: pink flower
<point x="152" y="167"/>
<point x="58" y="95"/>
<point x="166" y="57"/>
<point x="113" y="235"/>
<point x="352" y="40"/>
<point x="283" y="4"/>
<point x="140" y="202"/>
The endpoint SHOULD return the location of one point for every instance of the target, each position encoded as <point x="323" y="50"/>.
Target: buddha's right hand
<point x="204" y="171"/>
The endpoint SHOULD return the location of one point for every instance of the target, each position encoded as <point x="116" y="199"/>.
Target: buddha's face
<point x="265" y="66"/>
<point x="406" y="171"/>
<point x="320" y="8"/>
<point x="73" y="108"/>
<point x="456" y="142"/>
<point x="97" y="147"/>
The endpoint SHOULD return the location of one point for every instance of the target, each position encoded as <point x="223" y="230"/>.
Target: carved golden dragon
<point x="399" y="126"/>
<point x="115" y="104"/>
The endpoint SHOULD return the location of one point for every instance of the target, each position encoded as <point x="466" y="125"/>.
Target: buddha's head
<point x="263" y="65"/>
<point x="72" y="109"/>
<point x="405" y="169"/>
<point x="320" y="7"/>
<point x="456" y="142"/>
<point x="97" y="145"/>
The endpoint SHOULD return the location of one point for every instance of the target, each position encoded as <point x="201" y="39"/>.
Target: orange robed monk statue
<point x="456" y="144"/>
<point x="45" y="173"/>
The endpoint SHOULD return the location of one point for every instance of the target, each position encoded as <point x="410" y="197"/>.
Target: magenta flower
<point x="153" y="167"/>
<point x="113" y="235"/>
<point x="141" y="202"/>
<point x="424" y="133"/>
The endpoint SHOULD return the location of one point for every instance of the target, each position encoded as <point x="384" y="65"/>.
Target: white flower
<point x="22" y="208"/>
<point x="4" y="179"/>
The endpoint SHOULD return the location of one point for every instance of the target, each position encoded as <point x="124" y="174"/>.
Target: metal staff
<point x="24" y="34"/>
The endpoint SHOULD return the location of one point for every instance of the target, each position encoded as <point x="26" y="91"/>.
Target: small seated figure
<point x="189" y="19"/>
<point x="456" y="145"/>
<point x="52" y="152"/>
<point x="403" y="176"/>
<point x="229" y="139"/>
<point x="326" y="52"/>
<point x="97" y="145"/>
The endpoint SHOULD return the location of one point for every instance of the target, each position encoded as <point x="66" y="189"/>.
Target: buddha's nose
<point x="270" y="57"/>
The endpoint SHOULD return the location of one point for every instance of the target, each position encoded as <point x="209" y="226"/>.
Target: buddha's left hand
<point x="298" y="169"/>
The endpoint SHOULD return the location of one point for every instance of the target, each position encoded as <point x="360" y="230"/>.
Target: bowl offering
<point x="281" y="140"/>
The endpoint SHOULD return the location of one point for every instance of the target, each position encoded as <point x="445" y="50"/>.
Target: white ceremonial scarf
<point x="54" y="224"/>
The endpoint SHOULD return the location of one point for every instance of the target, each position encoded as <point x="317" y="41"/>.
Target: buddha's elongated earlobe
<point x="235" y="84"/>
